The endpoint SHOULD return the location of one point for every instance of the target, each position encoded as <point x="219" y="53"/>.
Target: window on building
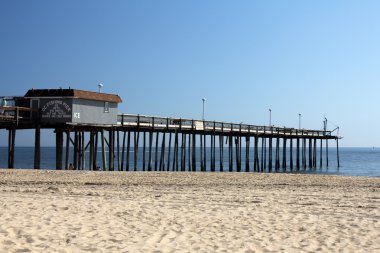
<point x="106" y="107"/>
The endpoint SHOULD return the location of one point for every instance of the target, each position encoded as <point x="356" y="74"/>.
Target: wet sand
<point x="71" y="211"/>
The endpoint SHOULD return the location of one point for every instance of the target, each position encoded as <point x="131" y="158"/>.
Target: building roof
<point x="72" y="93"/>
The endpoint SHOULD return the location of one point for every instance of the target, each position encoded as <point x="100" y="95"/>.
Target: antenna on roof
<point x="100" y="86"/>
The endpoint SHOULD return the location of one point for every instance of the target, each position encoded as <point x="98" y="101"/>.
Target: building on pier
<point x="73" y="106"/>
<point x="50" y="107"/>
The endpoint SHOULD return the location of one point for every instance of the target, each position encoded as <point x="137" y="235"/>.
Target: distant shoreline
<point x="124" y="177"/>
<point x="281" y="173"/>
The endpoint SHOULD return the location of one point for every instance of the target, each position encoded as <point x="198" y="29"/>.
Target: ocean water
<point x="353" y="161"/>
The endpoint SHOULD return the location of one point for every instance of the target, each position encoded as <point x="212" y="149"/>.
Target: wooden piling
<point x="189" y="153"/>
<point x="297" y="152"/>
<point x="270" y="154"/>
<point x="212" y="158"/>
<point x="265" y="154"/>
<point x="85" y="148"/>
<point x="175" y="161"/>
<point x="277" y="153"/>
<point x="320" y="154"/>
<point x="91" y="159"/>
<point x="123" y="150"/>
<point x="211" y="146"/>
<point x="118" y="150"/>
<point x="315" y="154"/>
<point x="91" y="150"/>
<point x="262" y="154"/>
<point x="183" y="153"/>
<point x="254" y="153"/>
<point x="128" y="151"/>
<point x="156" y="152"/>
<point x="163" y="151"/>
<point x="221" y="143"/>
<point x="247" y="153"/>
<point x="237" y="154"/>
<point x="83" y="152"/>
<point x="162" y="158"/>
<point x="13" y="147"/>
<point x="67" y="149"/>
<point x="144" y="151"/>
<point x="291" y="154"/>
<point x="204" y="153"/>
<point x="150" y="151"/>
<point x="37" y="147"/>
<point x="76" y="149"/>
<point x="174" y="152"/>
<point x="230" y="153"/>
<point x="327" y="153"/>
<point x="284" y="154"/>
<point x="104" y="161"/>
<point x="265" y="151"/>
<point x="240" y="149"/>
<point x="78" y="164"/>
<point x="96" y="150"/>
<point x="303" y="152"/>
<point x="10" y="153"/>
<point x="184" y="138"/>
<point x="169" y="150"/>
<point x="136" y="150"/>
<point x="111" y="147"/>
<point x="80" y="153"/>
<point x="201" y="151"/>
<point x="214" y="152"/>
<point x="310" y="153"/>
<point x="337" y="152"/>
<point x="194" y="158"/>
<point x="211" y="153"/>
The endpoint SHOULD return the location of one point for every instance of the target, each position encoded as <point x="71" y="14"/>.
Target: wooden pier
<point x="173" y="144"/>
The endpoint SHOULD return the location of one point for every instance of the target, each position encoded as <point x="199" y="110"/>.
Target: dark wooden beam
<point x="37" y="148"/>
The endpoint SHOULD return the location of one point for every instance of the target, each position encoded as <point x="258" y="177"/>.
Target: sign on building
<point x="56" y="110"/>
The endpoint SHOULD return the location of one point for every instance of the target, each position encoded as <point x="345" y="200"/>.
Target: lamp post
<point x="203" y="111"/>
<point x="270" y="117"/>
<point x="299" y="120"/>
<point x="100" y="86"/>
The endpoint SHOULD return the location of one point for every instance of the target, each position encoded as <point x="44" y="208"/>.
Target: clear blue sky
<point x="310" y="57"/>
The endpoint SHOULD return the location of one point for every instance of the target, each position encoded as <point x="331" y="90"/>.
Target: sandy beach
<point x="71" y="211"/>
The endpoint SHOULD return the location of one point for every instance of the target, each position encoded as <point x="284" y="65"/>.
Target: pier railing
<point x="181" y="124"/>
<point x="15" y="114"/>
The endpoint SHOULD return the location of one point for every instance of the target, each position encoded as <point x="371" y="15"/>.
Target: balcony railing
<point x="15" y="114"/>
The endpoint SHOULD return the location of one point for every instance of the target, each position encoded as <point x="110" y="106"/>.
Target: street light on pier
<point x="270" y="117"/>
<point x="203" y="111"/>
<point x="299" y="121"/>
<point x="100" y="86"/>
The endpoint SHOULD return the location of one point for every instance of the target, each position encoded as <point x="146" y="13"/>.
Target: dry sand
<point x="70" y="211"/>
